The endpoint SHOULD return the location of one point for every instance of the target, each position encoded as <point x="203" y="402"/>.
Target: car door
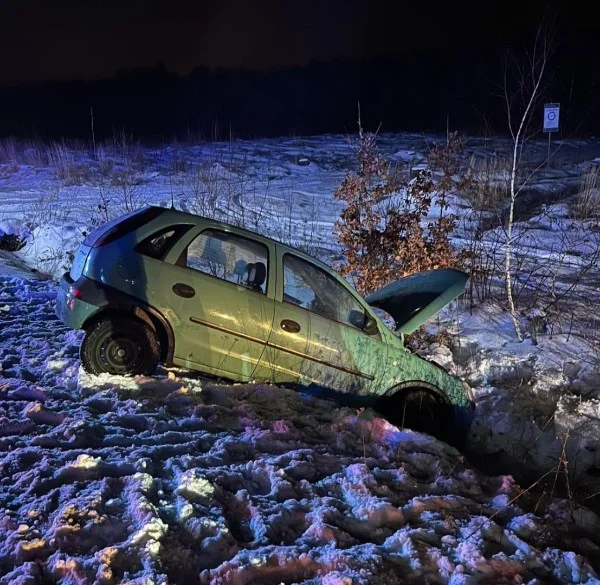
<point x="283" y="361"/>
<point x="215" y="296"/>
<point x="338" y="354"/>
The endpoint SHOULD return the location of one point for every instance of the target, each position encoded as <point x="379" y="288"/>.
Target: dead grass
<point x="587" y="202"/>
<point x="48" y="209"/>
<point x="23" y="152"/>
<point x="489" y="188"/>
<point x="62" y="156"/>
<point x="67" y="169"/>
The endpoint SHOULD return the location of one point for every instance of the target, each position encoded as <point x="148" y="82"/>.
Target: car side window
<point x="230" y="257"/>
<point x="307" y="286"/>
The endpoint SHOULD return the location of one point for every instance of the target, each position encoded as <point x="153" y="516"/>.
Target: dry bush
<point x="587" y="201"/>
<point x="124" y="147"/>
<point x="178" y="163"/>
<point x="217" y="186"/>
<point x="385" y="228"/>
<point x="212" y="188"/>
<point x="120" y="192"/>
<point x="105" y="166"/>
<point x="9" y="151"/>
<point x="48" y="209"/>
<point x="553" y="267"/>
<point x="490" y="182"/>
<point x="128" y="187"/>
<point x="481" y="253"/>
<point x="208" y="190"/>
<point x="120" y="179"/>
<point x="222" y="185"/>
<point x="23" y="152"/>
<point x="67" y="169"/>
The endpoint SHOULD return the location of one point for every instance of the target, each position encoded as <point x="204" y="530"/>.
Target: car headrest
<point x="259" y="274"/>
<point x="255" y="275"/>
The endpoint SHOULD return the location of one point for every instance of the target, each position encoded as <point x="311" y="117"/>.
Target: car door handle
<point x="183" y="290"/>
<point x="290" y="326"/>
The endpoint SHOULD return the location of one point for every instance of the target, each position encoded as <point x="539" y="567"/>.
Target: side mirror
<point x="364" y="321"/>
<point x="370" y="325"/>
<point x="357" y="318"/>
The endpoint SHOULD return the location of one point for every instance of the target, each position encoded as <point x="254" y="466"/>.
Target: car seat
<point x="255" y="275"/>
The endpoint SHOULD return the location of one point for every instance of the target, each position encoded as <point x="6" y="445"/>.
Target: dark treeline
<point x="415" y="93"/>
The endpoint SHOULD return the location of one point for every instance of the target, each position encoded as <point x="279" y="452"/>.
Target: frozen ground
<point x="536" y="403"/>
<point x="283" y="186"/>
<point x="282" y="489"/>
<point x="175" y="480"/>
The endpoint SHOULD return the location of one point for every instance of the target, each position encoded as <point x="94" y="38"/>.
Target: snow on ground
<point x="156" y="480"/>
<point x="264" y="183"/>
<point x="10" y="265"/>
<point x="533" y="399"/>
<point x="177" y="480"/>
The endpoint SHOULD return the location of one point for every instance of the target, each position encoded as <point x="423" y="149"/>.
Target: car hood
<point x="414" y="299"/>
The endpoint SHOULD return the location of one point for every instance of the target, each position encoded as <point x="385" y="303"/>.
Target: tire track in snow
<point x="158" y="480"/>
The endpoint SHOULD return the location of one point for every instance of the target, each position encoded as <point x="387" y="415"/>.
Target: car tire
<point x="120" y="346"/>
<point x="422" y="411"/>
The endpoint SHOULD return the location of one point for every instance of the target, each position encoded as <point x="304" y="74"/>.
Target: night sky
<point x="43" y="41"/>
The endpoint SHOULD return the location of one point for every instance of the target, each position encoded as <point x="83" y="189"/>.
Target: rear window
<point x="117" y="228"/>
<point x="158" y="244"/>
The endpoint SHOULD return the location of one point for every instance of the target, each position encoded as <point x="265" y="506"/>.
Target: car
<point x="161" y="285"/>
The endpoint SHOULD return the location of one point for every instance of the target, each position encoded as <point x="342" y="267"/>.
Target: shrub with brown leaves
<point x="385" y="228"/>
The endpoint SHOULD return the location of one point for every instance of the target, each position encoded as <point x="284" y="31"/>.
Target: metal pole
<point x="548" y="159"/>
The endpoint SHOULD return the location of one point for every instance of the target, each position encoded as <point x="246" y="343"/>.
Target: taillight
<point x="74" y="293"/>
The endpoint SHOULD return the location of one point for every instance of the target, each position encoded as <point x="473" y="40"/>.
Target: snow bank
<point x="536" y="402"/>
<point x="50" y="248"/>
<point x="13" y="227"/>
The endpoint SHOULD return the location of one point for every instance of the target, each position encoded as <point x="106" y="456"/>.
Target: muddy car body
<point x="160" y="285"/>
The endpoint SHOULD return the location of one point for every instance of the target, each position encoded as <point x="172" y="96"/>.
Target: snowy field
<point x="173" y="479"/>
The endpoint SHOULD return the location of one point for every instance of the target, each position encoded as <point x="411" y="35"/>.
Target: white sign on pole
<point x="551" y="116"/>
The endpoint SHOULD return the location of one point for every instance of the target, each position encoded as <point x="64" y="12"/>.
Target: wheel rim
<point x="120" y="354"/>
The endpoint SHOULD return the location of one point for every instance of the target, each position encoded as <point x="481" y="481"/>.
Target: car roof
<point x="177" y="215"/>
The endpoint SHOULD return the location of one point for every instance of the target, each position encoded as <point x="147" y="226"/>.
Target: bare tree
<point x="520" y="105"/>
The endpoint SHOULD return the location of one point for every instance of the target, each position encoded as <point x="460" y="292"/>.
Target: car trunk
<point x="412" y="300"/>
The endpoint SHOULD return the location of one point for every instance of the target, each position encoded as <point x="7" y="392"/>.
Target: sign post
<point x="551" y="119"/>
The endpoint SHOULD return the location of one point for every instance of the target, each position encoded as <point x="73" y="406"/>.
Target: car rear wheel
<point x="120" y="346"/>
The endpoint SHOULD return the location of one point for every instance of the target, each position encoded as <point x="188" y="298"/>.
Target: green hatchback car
<point x="160" y="285"/>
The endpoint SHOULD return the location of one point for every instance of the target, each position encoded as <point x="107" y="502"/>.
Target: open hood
<point x="414" y="299"/>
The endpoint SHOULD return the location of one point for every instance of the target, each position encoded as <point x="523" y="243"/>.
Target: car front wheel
<point x="120" y="346"/>
<point x="420" y="410"/>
